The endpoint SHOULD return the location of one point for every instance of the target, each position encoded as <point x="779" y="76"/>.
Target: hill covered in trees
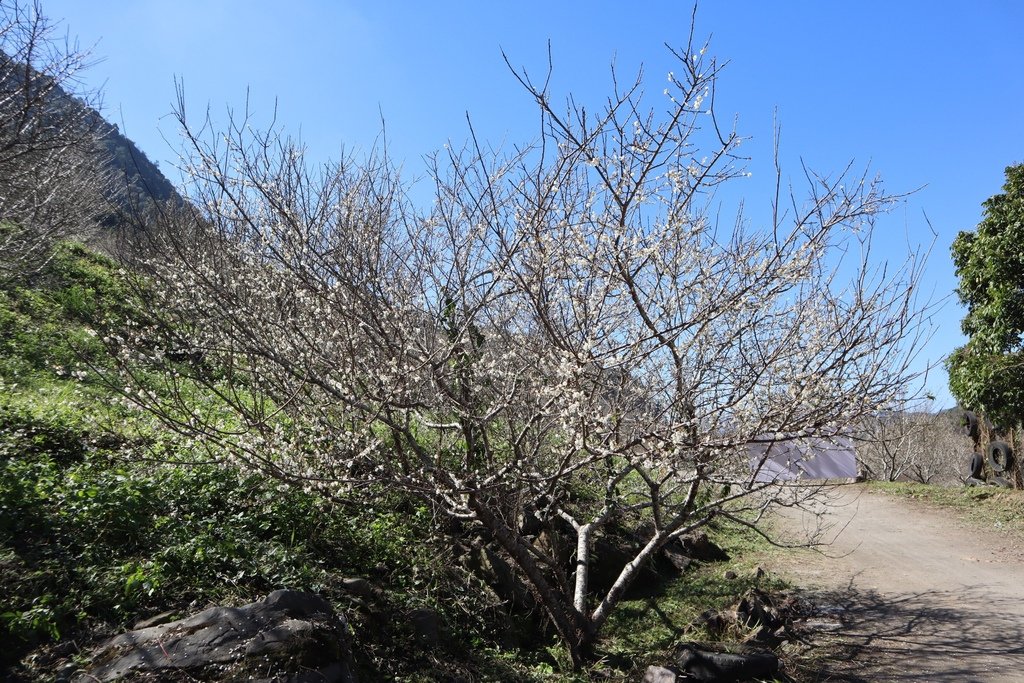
<point x="142" y="179"/>
<point x="65" y="171"/>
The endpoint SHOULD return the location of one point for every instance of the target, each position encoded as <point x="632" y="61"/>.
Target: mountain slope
<point x="142" y="177"/>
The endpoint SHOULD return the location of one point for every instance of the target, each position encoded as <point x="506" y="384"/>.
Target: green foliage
<point x="91" y="532"/>
<point x="987" y="373"/>
<point x="26" y="434"/>
<point x="50" y="325"/>
<point x="96" y="538"/>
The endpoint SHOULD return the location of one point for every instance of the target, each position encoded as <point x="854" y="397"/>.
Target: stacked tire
<point x="998" y="456"/>
<point x="969" y="425"/>
<point x="975" y="470"/>
<point x="1000" y="459"/>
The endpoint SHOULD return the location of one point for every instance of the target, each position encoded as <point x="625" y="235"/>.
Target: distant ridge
<point x="136" y="182"/>
<point x="133" y="170"/>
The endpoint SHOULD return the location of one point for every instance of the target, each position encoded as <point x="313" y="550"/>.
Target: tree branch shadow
<point x="941" y="636"/>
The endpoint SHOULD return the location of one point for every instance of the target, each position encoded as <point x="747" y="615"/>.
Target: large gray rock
<point x="289" y="636"/>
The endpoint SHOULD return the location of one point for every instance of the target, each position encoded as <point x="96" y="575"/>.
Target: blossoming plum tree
<point x="567" y="334"/>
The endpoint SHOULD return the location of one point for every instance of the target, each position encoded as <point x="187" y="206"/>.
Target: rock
<point x="610" y="553"/>
<point x="676" y="557"/>
<point x="730" y="575"/>
<point x="289" y="636"/>
<point x="680" y="553"/>
<point x="65" y="673"/>
<point x="755" y="610"/>
<point x="358" y="587"/>
<point x="531" y="524"/>
<point x="702" y="665"/>
<point x="491" y="566"/>
<point x="161" y="618"/>
<point x="659" y="674"/>
<point x="712" y="621"/>
<point x="700" y="547"/>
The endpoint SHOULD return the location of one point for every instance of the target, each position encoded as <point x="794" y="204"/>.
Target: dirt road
<point x="914" y="593"/>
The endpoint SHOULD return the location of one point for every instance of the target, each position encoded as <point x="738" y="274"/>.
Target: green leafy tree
<point x="987" y="373"/>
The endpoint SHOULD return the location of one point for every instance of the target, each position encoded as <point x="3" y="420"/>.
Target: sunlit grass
<point x="647" y="629"/>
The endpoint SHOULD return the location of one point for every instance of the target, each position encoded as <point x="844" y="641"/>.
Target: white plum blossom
<point x="572" y="317"/>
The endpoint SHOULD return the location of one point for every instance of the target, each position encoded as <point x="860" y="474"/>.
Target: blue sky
<point x="930" y="94"/>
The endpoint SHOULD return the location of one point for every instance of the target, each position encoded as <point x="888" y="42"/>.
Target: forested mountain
<point x="134" y="169"/>
<point x="65" y="172"/>
<point x="43" y="124"/>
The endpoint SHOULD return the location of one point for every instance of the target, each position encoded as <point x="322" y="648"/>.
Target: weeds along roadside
<point x="982" y="506"/>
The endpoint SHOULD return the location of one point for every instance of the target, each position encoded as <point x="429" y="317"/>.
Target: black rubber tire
<point x="1001" y="482"/>
<point x="1000" y="456"/>
<point x="969" y="424"/>
<point x="974" y="481"/>
<point x="975" y="465"/>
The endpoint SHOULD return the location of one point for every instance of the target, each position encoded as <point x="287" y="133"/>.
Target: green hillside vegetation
<point x="101" y="524"/>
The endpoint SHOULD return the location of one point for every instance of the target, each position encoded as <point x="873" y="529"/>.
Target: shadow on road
<point x="907" y="637"/>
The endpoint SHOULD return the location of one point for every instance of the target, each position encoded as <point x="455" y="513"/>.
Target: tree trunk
<point x="625" y="578"/>
<point x="582" y="567"/>
<point x="572" y="625"/>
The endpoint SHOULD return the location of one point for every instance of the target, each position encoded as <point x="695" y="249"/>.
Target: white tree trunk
<point x="582" y="567"/>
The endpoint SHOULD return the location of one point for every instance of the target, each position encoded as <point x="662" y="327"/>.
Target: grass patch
<point x="983" y="506"/>
<point x="647" y="630"/>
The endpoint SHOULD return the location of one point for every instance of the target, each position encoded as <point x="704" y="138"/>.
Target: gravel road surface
<point x="913" y="592"/>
